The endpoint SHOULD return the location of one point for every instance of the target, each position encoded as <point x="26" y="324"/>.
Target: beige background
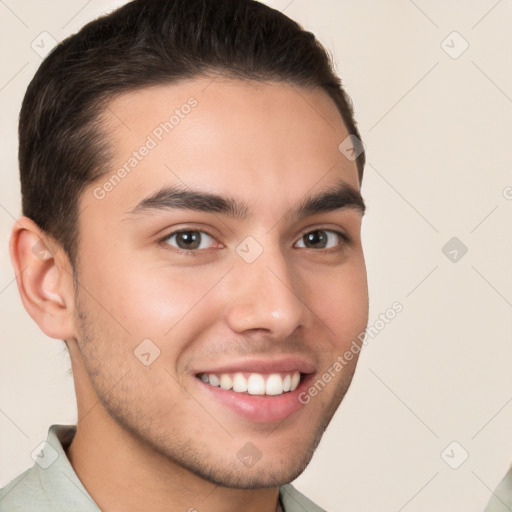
<point x="437" y="132"/>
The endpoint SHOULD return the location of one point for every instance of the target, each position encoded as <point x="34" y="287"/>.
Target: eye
<point x="321" y="239"/>
<point x="189" y="240"/>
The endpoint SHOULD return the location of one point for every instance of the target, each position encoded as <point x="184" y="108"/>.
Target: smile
<point x="254" y="383"/>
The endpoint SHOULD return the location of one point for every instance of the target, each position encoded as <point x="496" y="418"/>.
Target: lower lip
<point x="259" y="408"/>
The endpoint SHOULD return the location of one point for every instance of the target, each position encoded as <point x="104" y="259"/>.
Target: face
<point x="214" y="292"/>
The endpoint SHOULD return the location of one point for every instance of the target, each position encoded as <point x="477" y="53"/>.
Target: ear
<point x="45" y="279"/>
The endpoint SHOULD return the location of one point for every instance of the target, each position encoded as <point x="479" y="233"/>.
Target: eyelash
<point x="195" y="252"/>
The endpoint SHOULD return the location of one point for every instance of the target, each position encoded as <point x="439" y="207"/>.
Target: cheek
<point x="344" y="304"/>
<point x="150" y="300"/>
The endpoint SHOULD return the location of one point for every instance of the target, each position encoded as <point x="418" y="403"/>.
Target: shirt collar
<point x="55" y="472"/>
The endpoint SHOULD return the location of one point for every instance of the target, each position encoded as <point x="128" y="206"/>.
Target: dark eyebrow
<point x="186" y="199"/>
<point x="338" y="196"/>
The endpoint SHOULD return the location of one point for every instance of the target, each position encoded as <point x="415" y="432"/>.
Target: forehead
<point x="225" y="136"/>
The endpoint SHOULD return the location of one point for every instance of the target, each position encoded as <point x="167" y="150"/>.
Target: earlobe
<point x="44" y="279"/>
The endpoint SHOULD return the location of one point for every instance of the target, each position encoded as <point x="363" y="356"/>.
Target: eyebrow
<point x="336" y="197"/>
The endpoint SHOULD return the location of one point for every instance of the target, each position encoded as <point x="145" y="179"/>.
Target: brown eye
<point x="189" y="240"/>
<point x="320" y="239"/>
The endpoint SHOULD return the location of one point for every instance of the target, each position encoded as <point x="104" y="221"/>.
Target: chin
<point x="262" y="474"/>
<point x="251" y="469"/>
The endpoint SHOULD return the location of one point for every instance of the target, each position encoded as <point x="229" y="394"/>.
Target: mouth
<point x="259" y="391"/>
<point x="273" y="384"/>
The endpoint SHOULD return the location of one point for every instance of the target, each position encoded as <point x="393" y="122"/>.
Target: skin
<point x="148" y="437"/>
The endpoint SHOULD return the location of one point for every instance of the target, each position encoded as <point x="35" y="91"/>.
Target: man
<point x="191" y="175"/>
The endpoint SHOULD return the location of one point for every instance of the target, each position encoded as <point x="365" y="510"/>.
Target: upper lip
<point x="276" y="365"/>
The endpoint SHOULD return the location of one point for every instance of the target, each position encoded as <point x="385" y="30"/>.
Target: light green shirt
<point x="51" y="484"/>
<point x="501" y="499"/>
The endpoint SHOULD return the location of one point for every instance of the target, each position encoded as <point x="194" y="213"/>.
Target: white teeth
<point x="274" y="385"/>
<point x="239" y="383"/>
<point x="286" y="383"/>
<point x="225" y="381"/>
<point x="257" y="384"/>
<point x="295" y="381"/>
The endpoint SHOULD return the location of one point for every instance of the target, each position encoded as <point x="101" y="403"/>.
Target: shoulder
<point x="295" y="501"/>
<point x="24" y="493"/>
<point x="51" y="484"/>
<point x="501" y="499"/>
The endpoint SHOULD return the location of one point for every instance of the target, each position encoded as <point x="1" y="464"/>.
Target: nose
<point x="266" y="295"/>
